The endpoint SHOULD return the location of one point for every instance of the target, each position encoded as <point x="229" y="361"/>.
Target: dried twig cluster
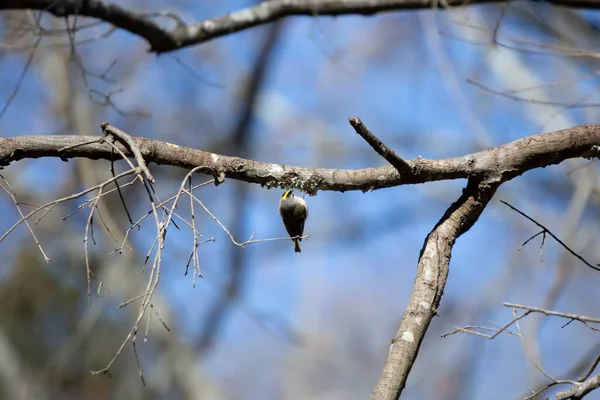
<point x="164" y="214"/>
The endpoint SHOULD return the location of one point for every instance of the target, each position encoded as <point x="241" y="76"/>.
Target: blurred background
<point x="264" y="322"/>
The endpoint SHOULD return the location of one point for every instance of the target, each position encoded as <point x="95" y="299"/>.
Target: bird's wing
<point x="301" y="228"/>
<point x="291" y="229"/>
<point x="302" y="215"/>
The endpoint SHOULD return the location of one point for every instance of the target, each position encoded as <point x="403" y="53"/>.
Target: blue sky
<point x="353" y="279"/>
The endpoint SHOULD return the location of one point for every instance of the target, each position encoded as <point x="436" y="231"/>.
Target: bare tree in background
<point x="113" y="190"/>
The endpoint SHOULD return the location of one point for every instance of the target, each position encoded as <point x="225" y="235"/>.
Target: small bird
<point x="293" y="211"/>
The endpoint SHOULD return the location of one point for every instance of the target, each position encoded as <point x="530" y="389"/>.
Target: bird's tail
<point x="297" y="246"/>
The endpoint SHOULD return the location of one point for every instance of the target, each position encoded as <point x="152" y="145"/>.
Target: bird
<point x="293" y="211"/>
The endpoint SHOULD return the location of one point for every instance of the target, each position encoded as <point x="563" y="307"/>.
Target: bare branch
<point x="504" y="162"/>
<point x="128" y="142"/>
<point x="242" y="244"/>
<point x="21" y="78"/>
<point x="580" y="387"/>
<point x="379" y="147"/>
<point x="51" y="205"/>
<point x="162" y="40"/>
<point x="528" y="353"/>
<point x="563" y="105"/>
<point x="432" y="272"/>
<point x="580" y="390"/>
<point x="590" y="369"/>
<point x="575" y="317"/>
<point x="11" y="193"/>
<point x="473" y="330"/>
<point x="545" y="230"/>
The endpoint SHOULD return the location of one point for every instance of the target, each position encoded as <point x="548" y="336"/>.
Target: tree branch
<point x="380" y="148"/>
<point x="575" y="317"/>
<point x="502" y="163"/>
<point x="580" y="390"/>
<point x="552" y="235"/>
<point x="162" y="40"/>
<point x="432" y="272"/>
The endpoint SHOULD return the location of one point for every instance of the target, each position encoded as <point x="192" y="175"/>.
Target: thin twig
<point x="21" y="77"/>
<point x="137" y="360"/>
<point x="553" y="236"/>
<point x="50" y="205"/>
<point x="128" y="142"/>
<point x="121" y="197"/>
<point x="499" y="329"/>
<point x="526" y="349"/>
<point x="575" y="317"/>
<point x="12" y="194"/>
<point x="247" y="242"/>
<point x="88" y="226"/>
<point x="196" y="264"/>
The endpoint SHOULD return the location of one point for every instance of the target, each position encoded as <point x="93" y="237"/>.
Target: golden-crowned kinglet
<point x="293" y="211"/>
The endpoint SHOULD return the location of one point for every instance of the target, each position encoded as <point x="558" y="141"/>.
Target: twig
<point x="553" y="236"/>
<point x="531" y="100"/>
<point x="71" y="147"/>
<point x="137" y="360"/>
<point x="528" y="354"/>
<point x="196" y="265"/>
<point x="21" y="77"/>
<point x="128" y="142"/>
<point x="88" y="226"/>
<point x="50" y="205"/>
<point x="153" y="309"/>
<point x="86" y="202"/>
<point x="576" y="317"/>
<point x="499" y="329"/>
<point x="118" y="187"/>
<point x="402" y="166"/>
<point x="247" y="242"/>
<point x="125" y="303"/>
<point x="154" y="278"/>
<point x="471" y="330"/>
<point x="11" y="193"/>
<point x="590" y="369"/>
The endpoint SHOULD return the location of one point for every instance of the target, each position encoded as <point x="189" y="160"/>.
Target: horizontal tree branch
<point x="162" y="40"/>
<point x="500" y="163"/>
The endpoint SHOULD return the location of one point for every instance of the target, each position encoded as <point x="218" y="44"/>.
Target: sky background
<point x="318" y="324"/>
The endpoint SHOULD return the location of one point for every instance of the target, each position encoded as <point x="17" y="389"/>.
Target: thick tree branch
<point x="580" y="389"/>
<point x="432" y="272"/>
<point x="504" y="162"/>
<point x="162" y="40"/>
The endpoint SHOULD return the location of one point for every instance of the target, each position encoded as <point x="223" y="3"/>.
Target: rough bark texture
<point x="432" y="272"/>
<point x="506" y="161"/>
<point x="163" y="40"/>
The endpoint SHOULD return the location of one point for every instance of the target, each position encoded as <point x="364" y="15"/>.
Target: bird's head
<point x="288" y="194"/>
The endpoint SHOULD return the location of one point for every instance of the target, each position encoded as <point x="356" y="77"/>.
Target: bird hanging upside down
<point x="293" y="211"/>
